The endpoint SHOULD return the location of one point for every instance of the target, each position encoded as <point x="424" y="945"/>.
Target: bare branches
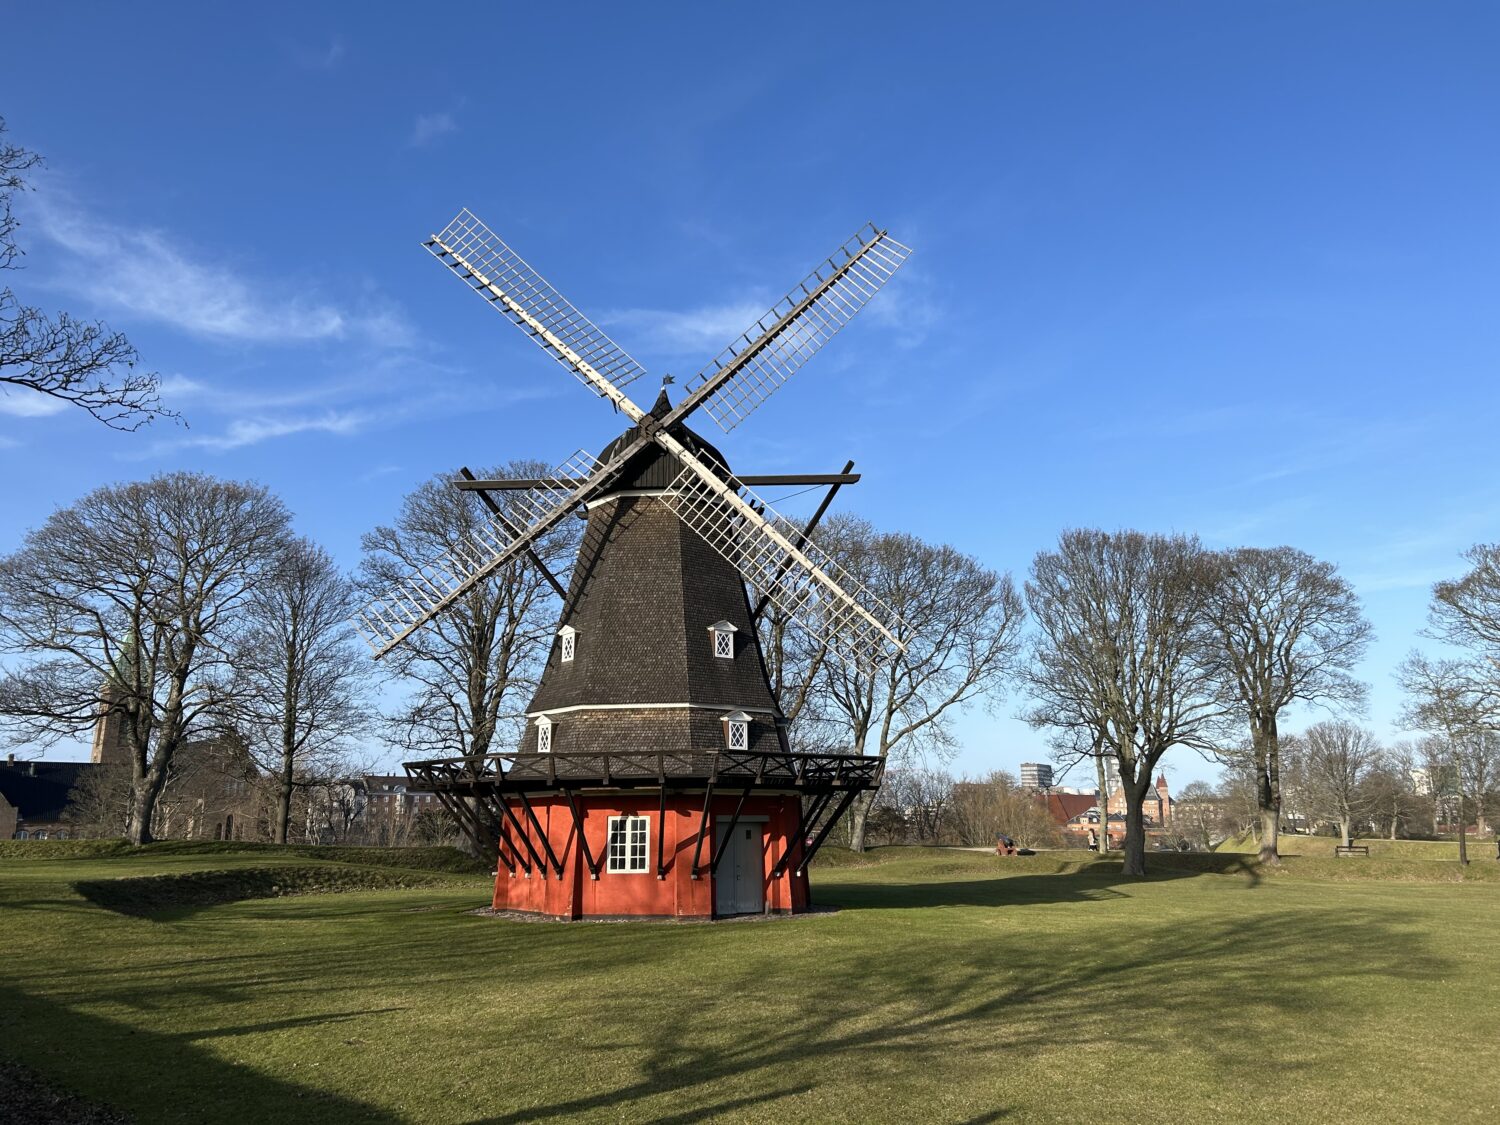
<point x="1123" y="657"/>
<point x="76" y="362"/>
<point x="138" y="591"/>
<point x="1289" y="629"/>
<point x="298" y="691"/>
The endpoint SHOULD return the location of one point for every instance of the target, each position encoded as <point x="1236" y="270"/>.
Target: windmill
<point x="633" y="700"/>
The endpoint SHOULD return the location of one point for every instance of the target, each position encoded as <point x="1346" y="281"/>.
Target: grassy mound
<point x="952" y="863"/>
<point x="146" y="895"/>
<point x="1430" y="851"/>
<point x="449" y="860"/>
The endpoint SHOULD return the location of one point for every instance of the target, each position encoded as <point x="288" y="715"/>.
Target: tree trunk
<point x="1268" y="789"/>
<point x="859" y="813"/>
<point x="1135" y="828"/>
<point x="1102" y="780"/>
<point x="1346" y="829"/>
<point x="1463" y="843"/>
<point x="284" y="798"/>
<point x="143" y="796"/>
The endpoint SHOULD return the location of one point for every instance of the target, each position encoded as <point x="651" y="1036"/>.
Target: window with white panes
<point x="629" y="837"/>
<point x="737" y="731"/>
<point x="567" y="643"/>
<point x="721" y="634"/>
<point x="544" y="735"/>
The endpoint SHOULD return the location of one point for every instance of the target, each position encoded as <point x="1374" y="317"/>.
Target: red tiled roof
<point x="1065" y="806"/>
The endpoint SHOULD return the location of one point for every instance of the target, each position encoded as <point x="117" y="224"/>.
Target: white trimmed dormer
<point x="543" y="735"/>
<point x="721" y="637"/>
<point x="567" y="644"/>
<point x="736" y="731"/>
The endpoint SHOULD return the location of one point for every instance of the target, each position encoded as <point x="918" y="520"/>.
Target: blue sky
<point x="1183" y="267"/>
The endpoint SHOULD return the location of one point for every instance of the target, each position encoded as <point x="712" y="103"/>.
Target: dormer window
<point x="567" y="643"/>
<point x="543" y="735"/>
<point x="737" y="731"/>
<point x="721" y="633"/>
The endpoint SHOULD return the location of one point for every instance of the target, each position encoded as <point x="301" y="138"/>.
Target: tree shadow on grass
<point x="1225" y="987"/>
<point x="164" y="1077"/>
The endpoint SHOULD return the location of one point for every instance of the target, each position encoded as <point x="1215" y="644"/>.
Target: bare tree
<point x="983" y="808"/>
<point x="1392" y="796"/>
<point x="1198" y="812"/>
<point x="1291" y="630"/>
<point x="299" y="688"/>
<point x="1453" y="699"/>
<point x="1124" y="655"/>
<point x="137" y="591"/>
<point x="475" y="666"/>
<point x="961" y="626"/>
<point x="73" y="361"/>
<point x="921" y="795"/>
<point x="1339" y="756"/>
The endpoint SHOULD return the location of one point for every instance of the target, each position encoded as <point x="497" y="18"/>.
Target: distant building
<point x="1077" y="813"/>
<point x="1036" y="775"/>
<point x="34" y="798"/>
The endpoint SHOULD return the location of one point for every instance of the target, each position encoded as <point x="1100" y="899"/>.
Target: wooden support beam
<point x="765" y="480"/>
<point x="760" y="606"/>
<point x="661" y="834"/>
<point x="812" y="849"/>
<point x="494" y="508"/>
<point x="583" y="844"/>
<point x="708" y="796"/>
<point x="546" y="843"/>
<point x="713" y="868"/>
<point x="525" y="838"/>
<point x="806" y="818"/>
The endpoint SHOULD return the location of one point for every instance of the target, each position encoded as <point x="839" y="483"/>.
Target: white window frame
<point x="721" y="639"/>
<point x="737" y="727"/>
<point x="544" y="735"/>
<point x="625" y="853"/>
<point x="567" y="644"/>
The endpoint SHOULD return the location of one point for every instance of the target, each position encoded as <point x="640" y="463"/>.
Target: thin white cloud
<point x="430" y="126"/>
<point x="22" y="403"/>
<point x="325" y="57"/>
<point x="253" y="431"/>
<point x="697" y="332"/>
<point x="150" y="274"/>
<point x="9" y="443"/>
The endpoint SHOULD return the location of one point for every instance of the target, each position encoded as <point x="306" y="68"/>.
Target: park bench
<point x="1351" y="849"/>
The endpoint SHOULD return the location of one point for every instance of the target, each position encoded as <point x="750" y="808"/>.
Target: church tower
<point x="111" y="747"/>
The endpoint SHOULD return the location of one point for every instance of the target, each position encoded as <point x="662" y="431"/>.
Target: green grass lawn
<point x="948" y="986"/>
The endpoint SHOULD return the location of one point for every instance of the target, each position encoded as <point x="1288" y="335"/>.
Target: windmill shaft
<point x="542" y="332"/>
<point x="731" y="369"/>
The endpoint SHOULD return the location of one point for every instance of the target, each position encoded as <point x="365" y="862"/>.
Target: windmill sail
<point x="751" y="369"/>
<point x="432" y="588"/>
<point x="503" y="278"/>
<point x="803" y="582"/>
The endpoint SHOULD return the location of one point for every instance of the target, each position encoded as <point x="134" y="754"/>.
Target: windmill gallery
<point x="655" y="777"/>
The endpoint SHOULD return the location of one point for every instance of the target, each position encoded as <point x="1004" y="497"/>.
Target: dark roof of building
<point x="39" y="790"/>
<point x="645" y="590"/>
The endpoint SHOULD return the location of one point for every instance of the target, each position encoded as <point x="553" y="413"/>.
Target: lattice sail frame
<point x="871" y="257"/>
<point x="436" y="585"/>
<point x="483" y="260"/>
<point x="826" y="600"/>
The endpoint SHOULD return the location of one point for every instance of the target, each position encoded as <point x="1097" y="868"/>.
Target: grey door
<point x="739" y="884"/>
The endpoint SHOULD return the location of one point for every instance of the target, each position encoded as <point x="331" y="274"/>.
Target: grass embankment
<point x="1432" y="851"/>
<point x="949" y="986"/>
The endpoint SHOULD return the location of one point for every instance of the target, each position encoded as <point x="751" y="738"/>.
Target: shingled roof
<point x="645" y="592"/>
<point x="39" y="790"/>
